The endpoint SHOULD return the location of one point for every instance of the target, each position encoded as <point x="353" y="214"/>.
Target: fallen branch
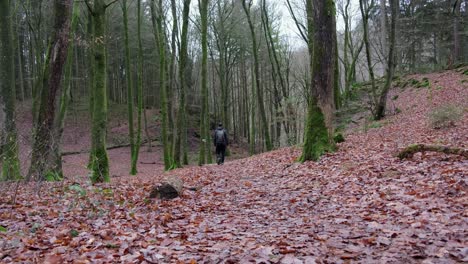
<point x="69" y="153"/>
<point x="409" y="151"/>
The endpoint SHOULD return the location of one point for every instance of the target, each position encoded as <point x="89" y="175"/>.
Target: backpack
<point x="219" y="137"/>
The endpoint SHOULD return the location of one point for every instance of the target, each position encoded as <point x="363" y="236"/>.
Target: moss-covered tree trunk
<point x="64" y="98"/>
<point x="204" y="117"/>
<point x="8" y="135"/>
<point x="128" y="75"/>
<point x="90" y="71"/>
<point x="157" y="15"/>
<point x="381" y="106"/>
<point x="321" y="34"/>
<point x="261" y="106"/>
<point x="139" y="92"/>
<point x="183" y="86"/>
<point x="457" y="28"/>
<point x="41" y="160"/>
<point x="99" y="160"/>
<point x="253" y="109"/>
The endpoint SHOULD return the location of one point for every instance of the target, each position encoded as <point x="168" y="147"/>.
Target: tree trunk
<point x="99" y="159"/>
<point x="128" y="75"/>
<point x="64" y="98"/>
<point x="383" y="27"/>
<point x="204" y="116"/>
<point x="8" y="135"/>
<point x="409" y="151"/>
<point x="41" y="160"/>
<point x="457" y="39"/>
<point x="158" y="28"/>
<point x="139" y="91"/>
<point x="322" y="33"/>
<point x="260" y="102"/>
<point x="183" y="85"/>
<point x="253" y="109"/>
<point x="365" y="10"/>
<point x="380" y="109"/>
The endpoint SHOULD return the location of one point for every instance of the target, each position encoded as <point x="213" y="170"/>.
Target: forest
<point x="347" y="124"/>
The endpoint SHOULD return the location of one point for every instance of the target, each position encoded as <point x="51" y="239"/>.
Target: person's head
<point x="220" y="124"/>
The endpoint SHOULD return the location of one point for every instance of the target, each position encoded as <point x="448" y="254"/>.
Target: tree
<point x="321" y="28"/>
<point x="380" y="109"/>
<point x="158" y="29"/>
<point x="350" y="54"/>
<point x="261" y="106"/>
<point x="205" y="154"/>
<point x="99" y="161"/>
<point x="366" y="8"/>
<point x="65" y="96"/>
<point x="41" y="161"/>
<point x="277" y="72"/>
<point x="139" y="91"/>
<point x="8" y="134"/>
<point x="457" y="40"/>
<point x="130" y="99"/>
<point x="183" y="76"/>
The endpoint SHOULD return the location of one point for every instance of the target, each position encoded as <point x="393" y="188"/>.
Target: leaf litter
<point x="360" y="204"/>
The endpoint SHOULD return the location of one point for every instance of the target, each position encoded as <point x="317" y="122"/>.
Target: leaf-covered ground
<point x="360" y="204"/>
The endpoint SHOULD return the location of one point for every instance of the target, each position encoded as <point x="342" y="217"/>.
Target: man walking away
<point x="220" y="140"/>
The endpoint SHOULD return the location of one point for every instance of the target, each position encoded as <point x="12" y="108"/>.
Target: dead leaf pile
<point x="359" y="204"/>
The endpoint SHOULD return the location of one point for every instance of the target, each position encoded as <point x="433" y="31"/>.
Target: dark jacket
<point x="220" y="137"/>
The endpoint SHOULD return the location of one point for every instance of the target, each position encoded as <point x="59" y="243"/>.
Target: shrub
<point x="444" y="116"/>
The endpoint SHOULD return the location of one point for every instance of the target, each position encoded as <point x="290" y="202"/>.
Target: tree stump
<point x="170" y="188"/>
<point x="409" y="151"/>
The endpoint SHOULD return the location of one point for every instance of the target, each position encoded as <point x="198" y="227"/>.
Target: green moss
<point x="100" y="166"/>
<point x="414" y="82"/>
<point x="53" y="176"/>
<point x="74" y="233"/>
<point x="339" y="138"/>
<point x="408" y="151"/>
<point x="316" y="141"/>
<point x="11" y="165"/>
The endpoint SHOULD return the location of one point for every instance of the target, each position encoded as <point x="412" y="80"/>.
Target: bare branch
<point x="89" y="7"/>
<point x="111" y="3"/>
<point x="299" y="25"/>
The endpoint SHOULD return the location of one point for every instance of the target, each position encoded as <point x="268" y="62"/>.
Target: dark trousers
<point x="220" y="153"/>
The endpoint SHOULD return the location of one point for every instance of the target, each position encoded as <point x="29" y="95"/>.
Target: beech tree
<point x="321" y="30"/>
<point x="381" y="106"/>
<point x="8" y="134"/>
<point x="183" y="77"/>
<point x="205" y="153"/>
<point x="157" y="17"/>
<point x="41" y="161"/>
<point x="261" y="106"/>
<point x="99" y="161"/>
<point x="65" y="96"/>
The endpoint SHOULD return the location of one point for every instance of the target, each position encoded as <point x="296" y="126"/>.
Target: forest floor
<point x="359" y="204"/>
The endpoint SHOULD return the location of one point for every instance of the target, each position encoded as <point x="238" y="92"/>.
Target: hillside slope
<point x="360" y="204"/>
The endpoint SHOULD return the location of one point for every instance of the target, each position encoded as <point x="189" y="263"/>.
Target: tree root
<point x="409" y="151"/>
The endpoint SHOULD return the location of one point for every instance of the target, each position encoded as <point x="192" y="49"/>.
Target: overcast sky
<point x="289" y="28"/>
